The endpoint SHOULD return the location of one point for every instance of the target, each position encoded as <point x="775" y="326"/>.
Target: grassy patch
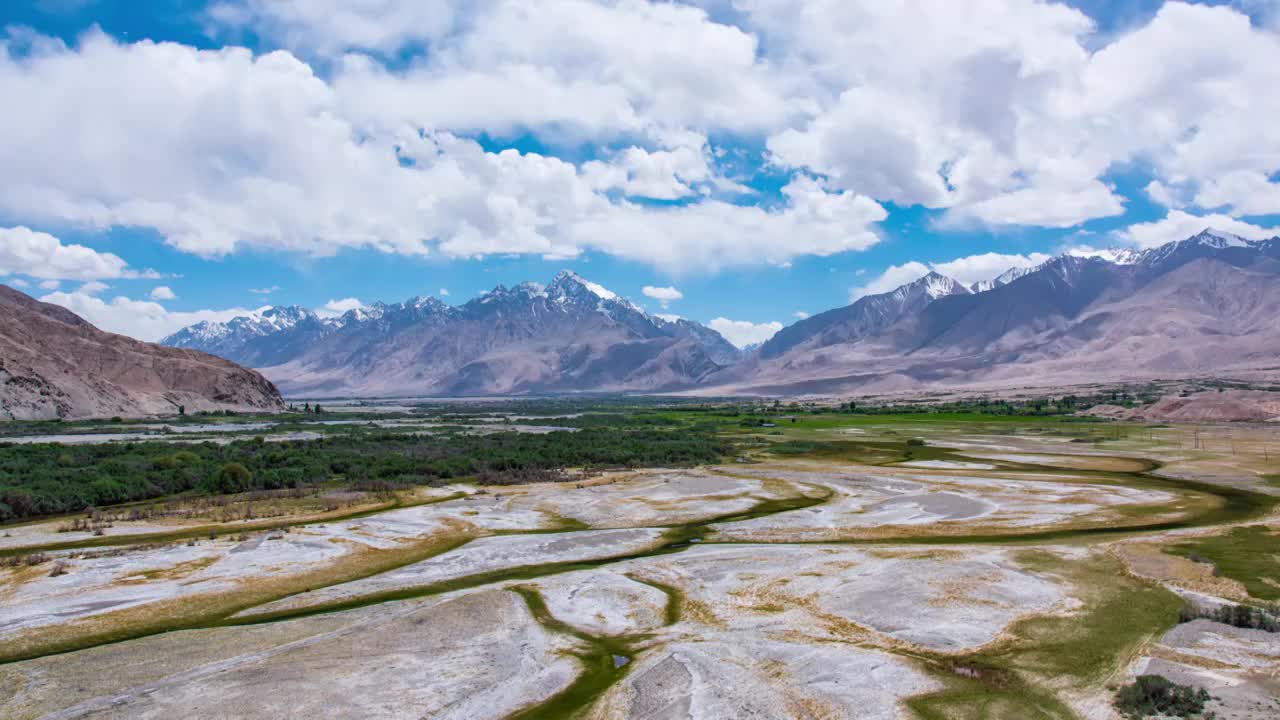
<point x="1249" y="555"/>
<point x="1020" y="676"/>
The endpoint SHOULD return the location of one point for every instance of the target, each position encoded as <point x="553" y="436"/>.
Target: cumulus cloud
<point x="93" y="287"/>
<point x="742" y="333"/>
<point x="50" y="285"/>
<point x="1179" y="225"/>
<point x="986" y="266"/>
<point x="967" y="270"/>
<point x="334" y="308"/>
<point x="141" y="319"/>
<point x="264" y="290"/>
<point x="162" y="292"/>
<point x="664" y="295"/>
<point x="258" y="151"/>
<point x="1003" y="113"/>
<point x="444" y="292"/>
<point x="800" y="314"/>
<point x="41" y="255"/>
<point x="1021" y="126"/>
<point x="329" y="27"/>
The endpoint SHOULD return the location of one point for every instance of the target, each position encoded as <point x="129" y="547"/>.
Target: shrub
<point x="1157" y="695"/>
<point x="1241" y="616"/>
<point x="232" y="478"/>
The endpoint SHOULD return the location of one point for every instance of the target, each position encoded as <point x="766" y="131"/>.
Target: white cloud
<point x="261" y="152"/>
<point x="1002" y="112"/>
<point x="93" y="287"/>
<point x="264" y="290"/>
<point x="139" y="319"/>
<point x="800" y="314"/>
<point x="742" y="333"/>
<point x="967" y="270"/>
<point x="1179" y="225"/>
<point x="711" y="235"/>
<point x="1163" y="194"/>
<point x="333" y="26"/>
<point x="162" y="292"/>
<point x="664" y="295"/>
<point x="18" y="282"/>
<point x="1245" y="192"/>
<point x="659" y="174"/>
<point x="41" y="255"/>
<point x="444" y="292"/>
<point x="49" y="285"/>
<point x="334" y="308"/>
<point x="986" y="266"/>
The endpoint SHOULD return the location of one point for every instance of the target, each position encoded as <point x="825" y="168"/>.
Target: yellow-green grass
<point x="1249" y="555"/>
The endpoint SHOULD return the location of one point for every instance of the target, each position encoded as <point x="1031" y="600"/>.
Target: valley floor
<point x="991" y="570"/>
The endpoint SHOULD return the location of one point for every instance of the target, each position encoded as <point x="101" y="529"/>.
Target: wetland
<point x="616" y="559"/>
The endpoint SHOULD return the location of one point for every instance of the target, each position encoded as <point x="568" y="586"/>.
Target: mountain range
<point x="54" y="364"/>
<point x="569" y="335"/>
<point x="1203" y="305"/>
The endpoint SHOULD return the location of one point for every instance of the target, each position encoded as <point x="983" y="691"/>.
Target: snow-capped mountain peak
<point x="1113" y="255"/>
<point x="566" y="278"/>
<point x="935" y="286"/>
<point x="1002" y="279"/>
<point x="1219" y="239"/>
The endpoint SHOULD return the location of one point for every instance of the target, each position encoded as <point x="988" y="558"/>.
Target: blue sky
<point x="763" y="162"/>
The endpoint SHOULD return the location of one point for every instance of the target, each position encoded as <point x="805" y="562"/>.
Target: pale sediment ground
<point x="477" y="655"/>
<point x="768" y="622"/>
<point x="603" y="601"/>
<point x="946" y="465"/>
<point x="102" y="580"/>
<point x="46" y="533"/>
<point x="948" y="600"/>
<point x="872" y="502"/>
<point x="747" y="676"/>
<point x="1239" y="667"/>
<point x="653" y="498"/>
<point x="482" y="556"/>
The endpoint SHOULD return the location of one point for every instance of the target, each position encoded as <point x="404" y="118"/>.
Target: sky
<point x="741" y="163"/>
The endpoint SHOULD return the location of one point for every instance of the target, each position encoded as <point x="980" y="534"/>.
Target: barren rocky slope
<point x="54" y="364"/>
<point x="572" y="335"/>
<point x="1201" y="306"/>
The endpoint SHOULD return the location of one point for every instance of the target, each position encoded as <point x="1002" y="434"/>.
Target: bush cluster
<point x="1158" y="696"/>
<point x="45" y="479"/>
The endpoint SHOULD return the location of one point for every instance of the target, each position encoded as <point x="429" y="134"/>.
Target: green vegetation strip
<point x="604" y="658"/>
<point x="1249" y="555"/>
<point x="220" y="530"/>
<point x="52" y="479"/>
